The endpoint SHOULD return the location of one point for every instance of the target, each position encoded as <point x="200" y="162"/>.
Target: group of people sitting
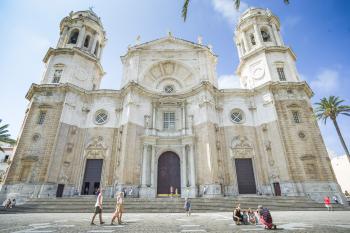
<point x="261" y="216"/>
<point x="10" y="203"/>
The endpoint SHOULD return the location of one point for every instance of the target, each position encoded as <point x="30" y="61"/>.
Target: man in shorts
<point x="98" y="207"/>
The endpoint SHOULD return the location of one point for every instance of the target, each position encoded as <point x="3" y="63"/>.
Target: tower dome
<point x="76" y="58"/>
<point x="257" y="28"/>
<point x="262" y="53"/>
<point x="83" y="30"/>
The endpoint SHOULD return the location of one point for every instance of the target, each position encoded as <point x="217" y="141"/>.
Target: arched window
<point x="96" y="48"/>
<point x="252" y="39"/>
<point x="74" y="36"/>
<point x="86" y="42"/>
<point x="265" y="35"/>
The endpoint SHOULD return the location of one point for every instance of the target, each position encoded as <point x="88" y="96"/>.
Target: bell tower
<point x="262" y="53"/>
<point x="76" y="58"/>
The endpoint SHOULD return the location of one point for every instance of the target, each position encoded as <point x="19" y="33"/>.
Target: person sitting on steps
<point x="265" y="218"/>
<point x="237" y="216"/>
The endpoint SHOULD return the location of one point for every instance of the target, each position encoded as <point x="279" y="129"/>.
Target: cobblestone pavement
<point x="290" y="221"/>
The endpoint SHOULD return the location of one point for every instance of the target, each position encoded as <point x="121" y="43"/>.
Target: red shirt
<point x="327" y="201"/>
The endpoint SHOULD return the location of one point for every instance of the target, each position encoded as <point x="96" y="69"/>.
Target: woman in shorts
<point x="119" y="209"/>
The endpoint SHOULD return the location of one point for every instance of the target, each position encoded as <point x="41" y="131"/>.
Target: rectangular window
<point x="169" y="120"/>
<point x="296" y="117"/>
<point x="41" y="117"/>
<point x="57" y="76"/>
<point x="281" y="75"/>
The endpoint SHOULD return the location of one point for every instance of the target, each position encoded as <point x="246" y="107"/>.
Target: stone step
<point x="166" y="205"/>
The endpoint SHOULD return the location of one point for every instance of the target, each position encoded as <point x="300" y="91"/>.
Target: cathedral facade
<point x="169" y="128"/>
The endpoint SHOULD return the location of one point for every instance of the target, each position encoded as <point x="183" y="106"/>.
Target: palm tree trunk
<point x="341" y="139"/>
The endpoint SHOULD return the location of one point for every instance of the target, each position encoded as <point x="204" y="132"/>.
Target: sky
<point x="319" y="34"/>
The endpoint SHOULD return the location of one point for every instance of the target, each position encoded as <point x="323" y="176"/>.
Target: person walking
<point x="98" y="207"/>
<point x="131" y="192"/>
<point x="327" y="203"/>
<point x="119" y="209"/>
<point x="335" y="199"/>
<point x="188" y="207"/>
<point x="124" y="192"/>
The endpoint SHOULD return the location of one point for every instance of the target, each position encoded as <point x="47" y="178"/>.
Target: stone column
<point x="63" y="36"/>
<point x="238" y="46"/>
<point x="183" y="118"/>
<point x="272" y="35"/>
<point x="153" y="166"/>
<point x="153" y="116"/>
<point x="184" y="168"/>
<point x="99" y="52"/>
<point x="277" y="35"/>
<point x="245" y="42"/>
<point x="144" y="165"/>
<point x="94" y="42"/>
<point x="192" y="167"/>
<point x="257" y="35"/>
<point x="81" y="37"/>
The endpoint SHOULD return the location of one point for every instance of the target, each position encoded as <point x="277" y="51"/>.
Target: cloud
<point x="326" y="81"/>
<point x="228" y="10"/>
<point x="228" y="81"/>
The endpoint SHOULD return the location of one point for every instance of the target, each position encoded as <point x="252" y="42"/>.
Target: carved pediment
<point x="96" y="148"/>
<point x="240" y="142"/>
<point x="96" y="143"/>
<point x="241" y="147"/>
<point x="168" y="100"/>
<point x="169" y="43"/>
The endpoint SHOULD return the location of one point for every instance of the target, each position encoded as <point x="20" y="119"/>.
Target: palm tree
<point x="5" y="136"/>
<point x="236" y="3"/>
<point x="331" y="108"/>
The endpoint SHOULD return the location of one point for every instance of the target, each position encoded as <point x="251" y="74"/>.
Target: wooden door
<point x="168" y="173"/>
<point x="245" y="176"/>
<point x="92" y="176"/>
<point x="277" y="189"/>
<point x="60" y="189"/>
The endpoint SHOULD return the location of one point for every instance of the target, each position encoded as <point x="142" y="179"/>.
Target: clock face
<point x="80" y="74"/>
<point x="258" y="73"/>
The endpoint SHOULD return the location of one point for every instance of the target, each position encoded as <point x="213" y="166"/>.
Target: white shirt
<point x="98" y="196"/>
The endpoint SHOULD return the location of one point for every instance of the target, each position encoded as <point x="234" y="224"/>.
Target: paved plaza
<point x="290" y="221"/>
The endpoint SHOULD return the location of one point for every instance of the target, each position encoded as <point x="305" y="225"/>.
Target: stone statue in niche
<point x="268" y="145"/>
<point x="63" y="178"/>
<point x="190" y="121"/>
<point x="147" y="121"/>
<point x="274" y="175"/>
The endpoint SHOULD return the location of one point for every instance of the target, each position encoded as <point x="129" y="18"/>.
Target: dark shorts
<point x="98" y="210"/>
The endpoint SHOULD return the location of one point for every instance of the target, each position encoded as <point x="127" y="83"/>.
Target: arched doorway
<point x="168" y="173"/>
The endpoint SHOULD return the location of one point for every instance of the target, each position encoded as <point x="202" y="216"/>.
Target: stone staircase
<point x="167" y="205"/>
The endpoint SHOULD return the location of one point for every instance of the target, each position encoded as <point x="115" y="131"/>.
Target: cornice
<point x="72" y="51"/>
<point x="181" y="96"/>
<point x="264" y="49"/>
<point x="68" y="87"/>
